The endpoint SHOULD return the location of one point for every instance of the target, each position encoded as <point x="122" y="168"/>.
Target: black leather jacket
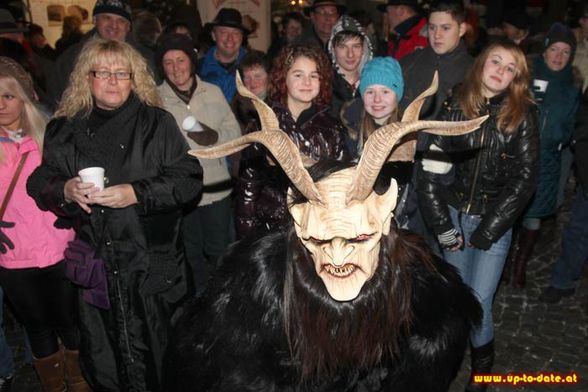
<point x="260" y="192"/>
<point x="494" y="174"/>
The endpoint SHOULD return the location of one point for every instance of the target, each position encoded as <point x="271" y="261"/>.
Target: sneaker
<point x="6" y="383"/>
<point x="552" y="295"/>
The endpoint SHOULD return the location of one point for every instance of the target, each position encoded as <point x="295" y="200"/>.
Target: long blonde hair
<point x="518" y="98"/>
<point x="77" y="98"/>
<point x="368" y="125"/>
<point x="32" y="120"/>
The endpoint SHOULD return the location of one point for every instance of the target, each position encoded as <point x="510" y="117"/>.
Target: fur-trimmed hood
<point x="347" y="23"/>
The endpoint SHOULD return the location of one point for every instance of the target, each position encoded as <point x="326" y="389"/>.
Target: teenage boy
<point x="447" y="55"/>
<point x="349" y="48"/>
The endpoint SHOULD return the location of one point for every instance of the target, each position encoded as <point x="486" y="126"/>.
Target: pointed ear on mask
<point x="385" y="205"/>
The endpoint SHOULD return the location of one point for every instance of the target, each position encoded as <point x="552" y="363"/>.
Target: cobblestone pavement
<point x="531" y="337"/>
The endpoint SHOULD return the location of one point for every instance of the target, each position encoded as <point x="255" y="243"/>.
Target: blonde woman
<point x="495" y="174"/>
<point x="32" y="270"/>
<point x="110" y="118"/>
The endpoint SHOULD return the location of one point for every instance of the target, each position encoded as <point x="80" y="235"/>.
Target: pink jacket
<point x="37" y="243"/>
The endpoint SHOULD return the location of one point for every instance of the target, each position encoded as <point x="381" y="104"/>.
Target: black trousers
<point x="45" y="303"/>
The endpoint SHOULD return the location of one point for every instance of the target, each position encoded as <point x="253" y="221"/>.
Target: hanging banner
<point x="256" y="15"/>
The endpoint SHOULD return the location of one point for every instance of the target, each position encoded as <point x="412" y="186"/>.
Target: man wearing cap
<point x="222" y="59"/>
<point x="9" y="29"/>
<point x="408" y="30"/>
<point x="323" y="15"/>
<point x="516" y="28"/>
<point x="112" y="20"/>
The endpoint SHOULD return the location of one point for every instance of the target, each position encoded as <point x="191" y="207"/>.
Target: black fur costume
<point x="406" y="331"/>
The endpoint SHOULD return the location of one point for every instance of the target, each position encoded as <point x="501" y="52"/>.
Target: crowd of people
<point x="95" y="273"/>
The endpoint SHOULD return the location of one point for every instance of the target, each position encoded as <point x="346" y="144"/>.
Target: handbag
<point x="12" y="184"/>
<point x="86" y="270"/>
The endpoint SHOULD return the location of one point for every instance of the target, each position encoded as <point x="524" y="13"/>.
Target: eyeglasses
<point x="118" y="75"/>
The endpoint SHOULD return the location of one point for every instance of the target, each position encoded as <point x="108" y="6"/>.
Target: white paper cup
<point x="190" y="124"/>
<point x="540" y="85"/>
<point x="95" y="175"/>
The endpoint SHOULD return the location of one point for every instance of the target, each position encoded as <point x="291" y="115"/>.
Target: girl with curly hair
<point x="299" y="94"/>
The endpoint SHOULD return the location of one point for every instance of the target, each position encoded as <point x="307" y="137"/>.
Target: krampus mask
<point x="343" y="219"/>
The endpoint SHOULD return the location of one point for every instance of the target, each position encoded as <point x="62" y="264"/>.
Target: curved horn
<point x="282" y="148"/>
<point x="383" y="140"/>
<point x="412" y="111"/>
<point x="266" y="114"/>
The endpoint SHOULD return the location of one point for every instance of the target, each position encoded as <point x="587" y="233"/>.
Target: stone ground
<point x="531" y="337"/>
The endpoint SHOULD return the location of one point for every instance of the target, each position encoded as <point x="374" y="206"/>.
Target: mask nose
<point x="338" y="251"/>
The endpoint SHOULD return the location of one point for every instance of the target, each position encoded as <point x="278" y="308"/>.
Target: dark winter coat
<point x="418" y="69"/>
<point x="342" y="92"/>
<point x="495" y="175"/>
<point x="309" y="37"/>
<point x="242" y="346"/>
<point x="212" y="71"/>
<point x="557" y="111"/>
<point x="122" y="348"/>
<point x="580" y="144"/>
<point x="261" y="187"/>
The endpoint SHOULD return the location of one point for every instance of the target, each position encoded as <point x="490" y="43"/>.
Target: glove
<point x="4" y="240"/>
<point x="439" y="164"/>
<point x="205" y="137"/>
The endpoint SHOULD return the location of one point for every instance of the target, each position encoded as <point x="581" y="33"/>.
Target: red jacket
<point x="404" y="44"/>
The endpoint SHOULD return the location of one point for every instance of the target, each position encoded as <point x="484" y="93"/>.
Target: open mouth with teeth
<point x="340" y="272"/>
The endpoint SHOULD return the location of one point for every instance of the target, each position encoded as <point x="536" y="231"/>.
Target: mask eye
<point x="317" y="241"/>
<point x="360" y="238"/>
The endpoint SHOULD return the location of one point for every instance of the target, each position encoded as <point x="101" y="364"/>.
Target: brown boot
<point x="51" y="372"/>
<point x="73" y="373"/>
<point x="527" y="240"/>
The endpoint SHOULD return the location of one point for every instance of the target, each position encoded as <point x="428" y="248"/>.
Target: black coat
<point x="495" y="174"/>
<point x="261" y="187"/>
<point x="581" y="143"/>
<point x="234" y="338"/>
<point x="418" y="69"/>
<point x="122" y="348"/>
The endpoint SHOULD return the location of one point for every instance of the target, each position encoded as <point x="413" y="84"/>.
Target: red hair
<point x="278" y="91"/>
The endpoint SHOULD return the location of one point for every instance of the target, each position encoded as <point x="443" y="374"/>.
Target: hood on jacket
<point x="347" y="23"/>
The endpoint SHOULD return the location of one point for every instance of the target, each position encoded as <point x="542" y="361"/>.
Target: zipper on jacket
<point x="124" y="319"/>
<point x="477" y="168"/>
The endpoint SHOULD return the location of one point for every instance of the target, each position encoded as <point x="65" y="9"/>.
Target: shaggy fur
<point x="268" y="324"/>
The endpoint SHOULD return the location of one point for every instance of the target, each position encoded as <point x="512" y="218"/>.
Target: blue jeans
<point x="574" y="245"/>
<point x="479" y="269"/>
<point x="6" y="356"/>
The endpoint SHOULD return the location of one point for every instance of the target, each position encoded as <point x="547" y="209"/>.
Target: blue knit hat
<point x="385" y="71"/>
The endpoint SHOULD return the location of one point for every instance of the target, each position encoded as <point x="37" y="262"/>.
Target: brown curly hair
<point x="278" y="91"/>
